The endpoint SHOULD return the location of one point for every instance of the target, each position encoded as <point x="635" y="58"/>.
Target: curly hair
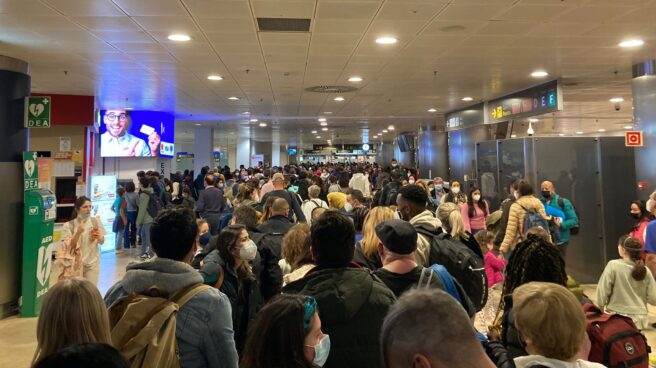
<point x="534" y="259"/>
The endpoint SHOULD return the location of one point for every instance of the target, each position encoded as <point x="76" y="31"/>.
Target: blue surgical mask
<point x="438" y="187"/>
<point x="321" y="351"/>
<point x="205" y="238"/>
<point x="83" y="216"/>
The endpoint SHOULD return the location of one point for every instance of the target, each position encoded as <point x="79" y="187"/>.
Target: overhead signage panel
<point x="467" y="117"/>
<point x="533" y="101"/>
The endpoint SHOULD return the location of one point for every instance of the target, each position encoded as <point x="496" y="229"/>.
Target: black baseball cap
<point x="398" y="236"/>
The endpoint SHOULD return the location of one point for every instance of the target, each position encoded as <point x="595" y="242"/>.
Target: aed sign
<point x="633" y="139"/>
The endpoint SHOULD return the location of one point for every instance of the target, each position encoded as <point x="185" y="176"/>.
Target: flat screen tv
<point x="134" y="133"/>
<point x="291" y="151"/>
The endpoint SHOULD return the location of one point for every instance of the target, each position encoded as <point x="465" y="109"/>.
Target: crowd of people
<point x="336" y="265"/>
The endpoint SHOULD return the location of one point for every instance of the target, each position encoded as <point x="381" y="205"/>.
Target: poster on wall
<point x="132" y="133"/>
<point x="256" y="159"/>
<point x="45" y="172"/>
<point x="102" y="192"/>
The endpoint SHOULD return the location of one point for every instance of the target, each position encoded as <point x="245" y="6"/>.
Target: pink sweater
<point x="494" y="269"/>
<point x="473" y="223"/>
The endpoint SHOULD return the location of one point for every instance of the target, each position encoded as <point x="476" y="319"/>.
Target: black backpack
<point x="154" y="205"/>
<point x="462" y="262"/>
<point x="391" y="196"/>
<point x="575" y="229"/>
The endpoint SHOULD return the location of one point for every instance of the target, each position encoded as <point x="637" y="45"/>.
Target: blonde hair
<point x="294" y="243"/>
<point x="72" y="312"/>
<point x="377" y="215"/>
<point x="449" y="214"/>
<point x="535" y="305"/>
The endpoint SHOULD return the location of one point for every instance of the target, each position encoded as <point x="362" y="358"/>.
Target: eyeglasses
<point x="112" y="116"/>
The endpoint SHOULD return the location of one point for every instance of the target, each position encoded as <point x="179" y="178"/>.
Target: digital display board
<point x="463" y="118"/>
<point x="533" y="101"/>
<point x="131" y="133"/>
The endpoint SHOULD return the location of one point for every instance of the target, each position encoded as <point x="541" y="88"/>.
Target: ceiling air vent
<point x="283" y="24"/>
<point x="331" y="89"/>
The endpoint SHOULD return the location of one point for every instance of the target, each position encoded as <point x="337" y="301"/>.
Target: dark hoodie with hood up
<point x="352" y="304"/>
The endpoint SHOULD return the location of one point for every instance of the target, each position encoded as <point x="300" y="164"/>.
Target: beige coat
<point x="516" y="220"/>
<point x="427" y="221"/>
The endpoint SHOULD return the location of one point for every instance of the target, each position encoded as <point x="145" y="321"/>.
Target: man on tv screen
<point x="116" y="141"/>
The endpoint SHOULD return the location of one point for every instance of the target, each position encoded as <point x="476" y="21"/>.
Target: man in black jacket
<point x="280" y="191"/>
<point x="389" y="192"/>
<point x="211" y="204"/>
<point x="279" y="222"/>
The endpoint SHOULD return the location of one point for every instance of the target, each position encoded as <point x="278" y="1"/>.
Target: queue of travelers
<point x="337" y="265"/>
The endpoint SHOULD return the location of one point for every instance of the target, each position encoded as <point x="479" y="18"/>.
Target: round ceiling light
<point x="179" y="37"/>
<point x="631" y="43"/>
<point x="233" y="98"/>
<point x="355" y="79"/>
<point x="539" y="74"/>
<point x="263" y="125"/>
<point x="324" y="124"/>
<point x="386" y="40"/>
<point x="467" y="99"/>
<point x="432" y="110"/>
<point x="339" y="98"/>
<point x="616" y="99"/>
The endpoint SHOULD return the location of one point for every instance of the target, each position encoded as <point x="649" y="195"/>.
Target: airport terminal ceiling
<point x="119" y="51"/>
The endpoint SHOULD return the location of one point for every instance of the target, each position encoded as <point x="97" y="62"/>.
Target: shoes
<point x="118" y="251"/>
<point x="145" y="257"/>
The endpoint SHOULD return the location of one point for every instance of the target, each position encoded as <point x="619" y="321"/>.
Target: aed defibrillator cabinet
<point x="38" y="224"/>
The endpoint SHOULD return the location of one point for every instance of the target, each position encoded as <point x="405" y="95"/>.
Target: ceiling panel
<point x="219" y="9"/>
<point x="347" y="10"/>
<point x="283" y="9"/>
<point x="151" y="7"/>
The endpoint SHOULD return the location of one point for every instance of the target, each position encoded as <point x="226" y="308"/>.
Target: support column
<point x="243" y="152"/>
<point x="275" y="148"/>
<point x="203" y="147"/>
<point x="14" y="86"/>
<point x="644" y="113"/>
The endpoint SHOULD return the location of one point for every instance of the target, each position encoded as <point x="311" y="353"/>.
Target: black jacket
<point x="503" y="222"/>
<point x="386" y="191"/>
<point x="352" y="304"/>
<point x="294" y="205"/>
<point x="373" y="263"/>
<point x="276" y="225"/>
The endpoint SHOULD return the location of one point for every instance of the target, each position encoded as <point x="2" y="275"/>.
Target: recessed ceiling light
<point x="616" y="99"/>
<point x="385" y="131"/>
<point x="324" y="124"/>
<point x="314" y="132"/>
<point x="513" y="136"/>
<point x="579" y="132"/>
<point x="322" y="120"/>
<point x="539" y="74"/>
<point x="246" y="113"/>
<point x="627" y="127"/>
<point x="197" y="124"/>
<point x="632" y="43"/>
<point x="324" y="129"/>
<point x="533" y="120"/>
<point x="432" y="110"/>
<point x="263" y="125"/>
<point x="386" y="40"/>
<point x="179" y="37"/>
<point x="327" y="112"/>
<point x="467" y="98"/>
<point x="318" y="137"/>
<point x="601" y="130"/>
<point x="355" y="79"/>
<point x="391" y="127"/>
<point x="233" y="98"/>
<point x="253" y="120"/>
<point x="338" y="98"/>
<point x="214" y="77"/>
<point x="561" y="134"/>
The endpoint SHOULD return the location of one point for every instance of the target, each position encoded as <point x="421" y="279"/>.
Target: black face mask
<point x="546" y="194"/>
<point x="635" y="216"/>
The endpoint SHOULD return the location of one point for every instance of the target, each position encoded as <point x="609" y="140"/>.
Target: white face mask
<point x="477" y="197"/>
<point x="516" y="195"/>
<point x="455" y="190"/>
<point x="411" y="181"/>
<point x="348" y="207"/>
<point x="321" y="351"/>
<point x="248" y="250"/>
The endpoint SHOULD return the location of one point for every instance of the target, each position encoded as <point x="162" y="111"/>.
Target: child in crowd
<point x="626" y="286"/>
<point x="120" y="219"/>
<point x="494" y="268"/>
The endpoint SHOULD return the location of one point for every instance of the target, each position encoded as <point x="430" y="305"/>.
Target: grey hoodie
<point x="142" y="215"/>
<point x="426" y="221"/>
<point x="204" y="325"/>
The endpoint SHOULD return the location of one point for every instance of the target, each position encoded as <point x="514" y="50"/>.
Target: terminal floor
<point x="18" y="335"/>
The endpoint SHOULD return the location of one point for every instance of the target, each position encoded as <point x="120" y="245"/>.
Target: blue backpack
<point x="533" y="219"/>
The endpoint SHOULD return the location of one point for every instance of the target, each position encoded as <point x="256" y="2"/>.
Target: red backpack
<point x="615" y="340"/>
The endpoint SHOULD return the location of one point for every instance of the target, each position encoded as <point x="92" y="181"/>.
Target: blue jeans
<point x="131" y="229"/>
<point x="145" y="239"/>
<point x="119" y="240"/>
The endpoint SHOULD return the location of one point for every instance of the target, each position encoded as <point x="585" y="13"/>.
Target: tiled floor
<point x="18" y="335"/>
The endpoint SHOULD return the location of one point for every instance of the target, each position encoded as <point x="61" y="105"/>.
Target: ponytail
<point x="449" y="214"/>
<point x="639" y="270"/>
<point x="633" y="249"/>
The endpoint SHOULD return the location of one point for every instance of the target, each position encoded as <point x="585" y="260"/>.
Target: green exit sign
<point x="37" y="111"/>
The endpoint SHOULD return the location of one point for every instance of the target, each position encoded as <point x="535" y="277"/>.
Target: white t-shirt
<point x="309" y="206"/>
<point x="111" y="146"/>
<point x="89" y="249"/>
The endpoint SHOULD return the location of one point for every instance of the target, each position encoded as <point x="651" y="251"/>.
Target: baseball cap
<point x="398" y="236"/>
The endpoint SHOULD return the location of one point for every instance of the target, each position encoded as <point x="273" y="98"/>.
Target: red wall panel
<point x="71" y="109"/>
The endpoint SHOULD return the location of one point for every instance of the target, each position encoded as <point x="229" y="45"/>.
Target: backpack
<point x="154" y="205"/>
<point x="575" y="229"/>
<point x="615" y="340"/>
<point x="462" y="263"/>
<point x="533" y="219"/>
<point x="391" y="196"/>
<point x="143" y="327"/>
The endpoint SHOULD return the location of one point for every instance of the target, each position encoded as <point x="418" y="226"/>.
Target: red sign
<point x="633" y="139"/>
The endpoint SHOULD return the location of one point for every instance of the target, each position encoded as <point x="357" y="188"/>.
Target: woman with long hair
<point x="247" y="196"/>
<point x="229" y="268"/>
<point x="475" y="211"/>
<point x="296" y="256"/>
<point x="626" y="286"/>
<point x="642" y="217"/>
<point x="287" y="334"/>
<point x="79" y="253"/>
<point x="366" y="250"/>
<point x="455" y="194"/>
<point x="73" y="312"/>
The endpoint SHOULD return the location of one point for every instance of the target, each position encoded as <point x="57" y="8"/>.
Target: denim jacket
<point x="204" y="325"/>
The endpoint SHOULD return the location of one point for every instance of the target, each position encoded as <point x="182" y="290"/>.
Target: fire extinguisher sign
<point x="633" y="139"/>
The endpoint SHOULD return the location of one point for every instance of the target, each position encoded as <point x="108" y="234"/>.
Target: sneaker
<point x="118" y="251"/>
<point x="144" y="257"/>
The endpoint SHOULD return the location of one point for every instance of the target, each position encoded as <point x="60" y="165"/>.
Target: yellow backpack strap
<point x="183" y="296"/>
